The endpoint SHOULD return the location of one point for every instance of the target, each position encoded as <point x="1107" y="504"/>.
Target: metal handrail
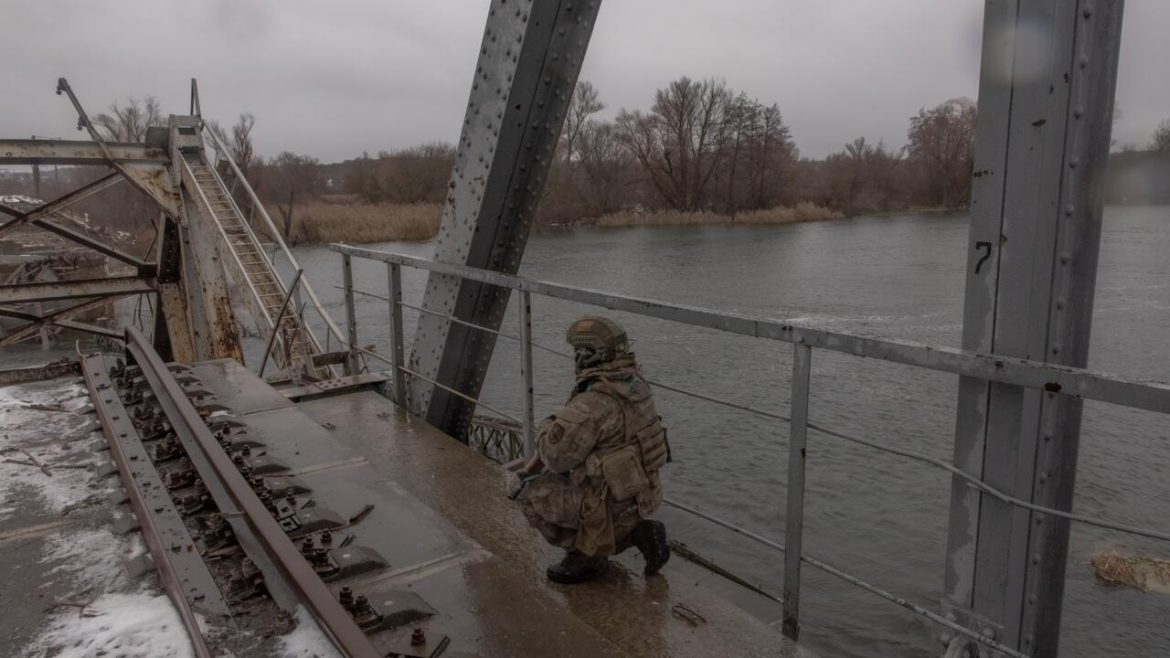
<point x="1053" y="379"/>
<point x="908" y="454"/>
<point x="271" y="226"/>
<point x="186" y="170"/>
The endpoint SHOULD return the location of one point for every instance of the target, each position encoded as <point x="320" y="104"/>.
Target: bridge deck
<point x="491" y="593"/>
<point x="441" y="521"/>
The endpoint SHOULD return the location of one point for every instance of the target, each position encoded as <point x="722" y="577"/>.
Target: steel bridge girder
<point x="527" y="69"/>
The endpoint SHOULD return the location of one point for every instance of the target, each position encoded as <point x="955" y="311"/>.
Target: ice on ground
<point x="85" y="558"/>
<point x="128" y="625"/>
<point x="306" y="640"/>
<point x="44" y="435"/>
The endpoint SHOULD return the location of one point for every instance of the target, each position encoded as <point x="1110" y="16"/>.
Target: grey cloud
<point x="332" y="79"/>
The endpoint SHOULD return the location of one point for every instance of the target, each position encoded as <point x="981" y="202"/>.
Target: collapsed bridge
<point x="1042" y="143"/>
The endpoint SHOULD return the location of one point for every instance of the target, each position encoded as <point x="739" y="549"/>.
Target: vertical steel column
<point x="1045" y="111"/>
<point x="526" y="370"/>
<point x="351" y="363"/>
<point x="528" y="65"/>
<point x="394" y="288"/>
<point x="794" y="521"/>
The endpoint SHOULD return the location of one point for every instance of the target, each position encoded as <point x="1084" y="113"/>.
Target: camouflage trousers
<point x="553" y="505"/>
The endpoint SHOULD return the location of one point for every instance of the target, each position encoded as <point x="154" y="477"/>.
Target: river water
<point x="879" y="517"/>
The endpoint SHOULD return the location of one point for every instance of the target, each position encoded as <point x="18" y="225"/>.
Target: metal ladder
<point x="251" y="268"/>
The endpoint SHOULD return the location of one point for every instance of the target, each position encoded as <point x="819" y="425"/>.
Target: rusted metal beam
<point x="97" y="245"/>
<point x="76" y="152"/>
<point x="60" y="203"/>
<point x="88" y="328"/>
<point x="55" y="290"/>
<point x="155" y="510"/>
<point x="285" y="569"/>
<point x="36" y="322"/>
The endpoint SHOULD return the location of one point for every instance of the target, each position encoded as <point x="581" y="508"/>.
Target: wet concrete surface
<point x="506" y="596"/>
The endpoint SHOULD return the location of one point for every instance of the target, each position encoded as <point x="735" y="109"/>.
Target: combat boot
<point x="650" y="538"/>
<point x="577" y="567"/>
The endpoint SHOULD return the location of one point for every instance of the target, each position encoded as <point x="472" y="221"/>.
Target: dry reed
<point x="801" y="212"/>
<point x="321" y="221"/>
<point x="1141" y="573"/>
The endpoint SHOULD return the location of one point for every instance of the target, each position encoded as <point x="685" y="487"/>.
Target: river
<point x="880" y="517"/>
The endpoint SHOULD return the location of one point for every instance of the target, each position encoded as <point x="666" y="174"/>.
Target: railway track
<point x="236" y="543"/>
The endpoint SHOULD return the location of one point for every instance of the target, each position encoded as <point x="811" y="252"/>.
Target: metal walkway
<point x="250" y="267"/>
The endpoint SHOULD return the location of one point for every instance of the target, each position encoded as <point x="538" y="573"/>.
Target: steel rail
<point x="63" y="201"/>
<point x="308" y="333"/>
<point x="1065" y="380"/>
<point x="51" y="291"/>
<point x="458" y="394"/>
<point x="272" y="543"/>
<point x="908" y="454"/>
<point x="276" y="326"/>
<point x="551" y="350"/>
<point x="186" y="172"/>
<point x="110" y="412"/>
<point x="987" y="488"/>
<point x="325" y="317"/>
<point x="852" y="580"/>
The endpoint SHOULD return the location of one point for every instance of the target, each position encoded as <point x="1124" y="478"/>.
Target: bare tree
<point x="239" y="142"/>
<point x="129" y="123"/>
<point x="941" y="144"/>
<point x="243" y="151"/>
<point x="603" y="166"/>
<point x="679" y="142"/>
<point x="585" y="103"/>
<point x="1161" y="140"/>
<point x="287" y="178"/>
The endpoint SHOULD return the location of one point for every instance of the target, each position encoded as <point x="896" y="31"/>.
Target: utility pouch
<point x="623" y="473"/>
<point x="654" y="447"/>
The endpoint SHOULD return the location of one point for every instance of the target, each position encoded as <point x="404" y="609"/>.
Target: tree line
<point x="702" y="146"/>
<point x="699" y="146"/>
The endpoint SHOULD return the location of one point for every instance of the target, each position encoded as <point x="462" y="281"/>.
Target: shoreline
<point x="323" y="223"/>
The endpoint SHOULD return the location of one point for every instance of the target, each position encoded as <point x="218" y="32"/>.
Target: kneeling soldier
<point x="594" y="481"/>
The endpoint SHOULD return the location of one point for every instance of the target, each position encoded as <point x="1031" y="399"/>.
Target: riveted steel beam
<point x="56" y="290"/>
<point x="60" y="203"/>
<point x="1045" y="110"/>
<point x="527" y="69"/>
<point x="76" y="152"/>
<point x="36" y="322"/>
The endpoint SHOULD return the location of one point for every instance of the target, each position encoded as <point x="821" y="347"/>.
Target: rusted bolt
<point x="418" y="637"/>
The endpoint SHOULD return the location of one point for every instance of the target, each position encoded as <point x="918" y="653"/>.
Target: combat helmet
<point x="596" y="340"/>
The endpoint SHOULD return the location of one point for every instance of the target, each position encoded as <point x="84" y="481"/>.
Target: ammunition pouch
<point x="624" y="474"/>
<point x="653" y="446"/>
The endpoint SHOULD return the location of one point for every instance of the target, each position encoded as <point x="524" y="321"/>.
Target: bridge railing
<point x="1052" y="379"/>
<point x="223" y="154"/>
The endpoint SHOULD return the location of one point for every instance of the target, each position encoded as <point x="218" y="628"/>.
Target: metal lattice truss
<point x="204" y="241"/>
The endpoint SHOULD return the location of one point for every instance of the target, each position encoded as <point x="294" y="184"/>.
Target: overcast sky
<point x="333" y="79"/>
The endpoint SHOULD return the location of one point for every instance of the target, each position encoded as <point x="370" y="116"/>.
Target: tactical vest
<point x="643" y="425"/>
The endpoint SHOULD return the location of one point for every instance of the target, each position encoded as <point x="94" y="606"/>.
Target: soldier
<point x="594" y="479"/>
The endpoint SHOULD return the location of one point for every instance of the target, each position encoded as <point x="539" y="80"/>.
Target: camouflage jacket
<point x="609" y="440"/>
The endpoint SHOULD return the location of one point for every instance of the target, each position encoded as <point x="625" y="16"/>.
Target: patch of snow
<point x="91" y="559"/>
<point x="306" y="640"/>
<point x="128" y="625"/>
<point x="23" y="428"/>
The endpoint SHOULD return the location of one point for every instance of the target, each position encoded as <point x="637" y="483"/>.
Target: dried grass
<point x="801" y="212"/>
<point x="1114" y="569"/>
<point x="1141" y="573"/>
<point x="330" y="221"/>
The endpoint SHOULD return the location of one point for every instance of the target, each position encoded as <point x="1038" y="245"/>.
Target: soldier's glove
<point x="514" y="483"/>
